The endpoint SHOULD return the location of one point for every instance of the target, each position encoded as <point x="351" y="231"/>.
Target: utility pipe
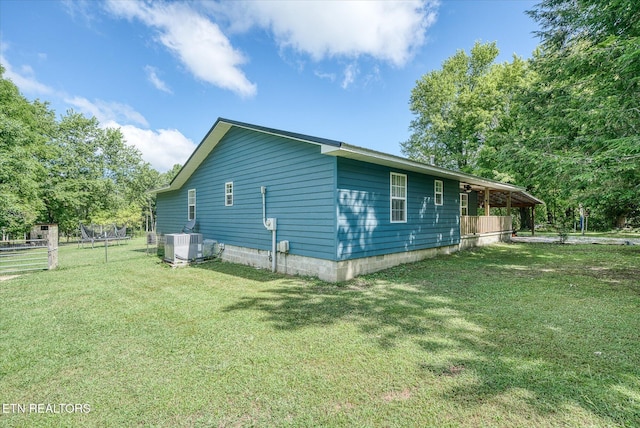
<point x="273" y="251"/>
<point x="271" y="227"/>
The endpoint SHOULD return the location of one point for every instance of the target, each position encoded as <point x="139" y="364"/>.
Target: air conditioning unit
<point x="210" y="248"/>
<point x="176" y="247"/>
<point x="183" y="247"/>
<point x="195" y="246"/>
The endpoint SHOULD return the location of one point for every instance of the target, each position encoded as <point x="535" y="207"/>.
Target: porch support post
<point x="487" y="208"/>
<point x="509" y="203"/>
<point x="533" y="220"/>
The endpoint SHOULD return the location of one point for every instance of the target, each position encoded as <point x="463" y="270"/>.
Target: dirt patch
<point x="8" y="277"/>
<point x="405" y="394"/>
<point x="449" y="371"/>
<point x="454" y="370"/>
<point x="344" y="406"/>
<point x="614" y="275"/>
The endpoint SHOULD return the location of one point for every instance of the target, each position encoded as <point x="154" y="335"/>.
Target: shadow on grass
<point x="461" y="329"/>
<point x="240" y="271"/>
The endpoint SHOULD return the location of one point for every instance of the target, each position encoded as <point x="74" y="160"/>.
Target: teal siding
<point x="172" y="212"/>
<point x="300" y="194"/>
<point x="363" y="212"/>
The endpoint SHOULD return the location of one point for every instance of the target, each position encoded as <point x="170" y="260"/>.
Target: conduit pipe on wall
<point x="269" y="224"/>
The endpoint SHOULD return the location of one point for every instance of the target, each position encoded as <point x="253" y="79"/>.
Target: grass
<point x="620" y="234"/>
<point x="510" y="335"/>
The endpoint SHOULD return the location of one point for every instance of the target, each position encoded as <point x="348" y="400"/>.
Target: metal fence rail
<point x="23" y="255"/>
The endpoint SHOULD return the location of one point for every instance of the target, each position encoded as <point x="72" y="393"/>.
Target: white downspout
<point x="269" y="224"/>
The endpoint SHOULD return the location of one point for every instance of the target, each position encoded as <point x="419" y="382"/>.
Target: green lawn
<point x="619" y="234"/>
<point x="511" y="335"/>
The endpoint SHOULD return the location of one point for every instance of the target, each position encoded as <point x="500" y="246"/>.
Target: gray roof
<point x="292" y="135"/>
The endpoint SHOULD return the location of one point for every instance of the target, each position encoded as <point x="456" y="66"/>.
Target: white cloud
<point x="25" y="79"/>
<point x="372" y="76"/>
<point x="106" y="111"/>
<point x="384" y="30"/>
<point x="350" y="73"/>
<point x="162" y="148"/>
<point x="328" y="76"/>
<point x="194" y="39"/>
<point x="152" y="75"/>
<point x="81" y="11"/>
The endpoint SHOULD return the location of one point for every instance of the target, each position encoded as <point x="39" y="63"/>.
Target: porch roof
<point x="498" y="198"/>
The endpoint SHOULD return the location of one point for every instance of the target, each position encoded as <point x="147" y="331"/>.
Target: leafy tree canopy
<point x="68" y="170"/>
<point x="565" y="124"/>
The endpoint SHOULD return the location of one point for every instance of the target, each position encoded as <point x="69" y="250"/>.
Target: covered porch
<point x="477" y="225"/>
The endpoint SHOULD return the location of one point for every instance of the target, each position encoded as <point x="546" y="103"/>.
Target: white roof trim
<point x="213" y="137"/>
<point x="198" y="156"/>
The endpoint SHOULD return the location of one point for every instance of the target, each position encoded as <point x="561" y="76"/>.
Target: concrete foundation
<point x="470" y="241"/>
<point x="338" y="271"/>
<point x="328" y="270"/>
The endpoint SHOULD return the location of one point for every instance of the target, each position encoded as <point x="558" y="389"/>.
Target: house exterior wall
<point x="364" y="218"/>
<point x="300" y="194"/>
<point x="335" y="212"/>
<point x="172" y="211"/>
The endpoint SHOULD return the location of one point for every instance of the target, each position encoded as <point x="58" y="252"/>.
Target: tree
<point x="589" y="74"/>
<point x="565" y="124"/>
<point x="167" y="177"/>
<point x="460" y="108"/>
<point x="25" y="128"/>
<point x="94" y="176"/>
<point x="456" y="106"/>
<point x="67" y="171"/>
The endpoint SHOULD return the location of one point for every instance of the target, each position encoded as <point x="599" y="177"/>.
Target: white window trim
<point x="189" y="204"/>
<point x="392" y="198"/>
<point x="464" y="203"/>
<point x="227" y="194"/>
<point x="436" y="193"/>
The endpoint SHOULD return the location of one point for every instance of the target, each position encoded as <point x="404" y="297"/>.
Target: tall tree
<point x="459" y="108"/>
<point x="94" y="175"/>
<point x="566" y="124"/>
<point x="25" y="128"/>
<point x="589" y="81"/>
<point x="454" y="108"/>
<point x="69" y="170"/>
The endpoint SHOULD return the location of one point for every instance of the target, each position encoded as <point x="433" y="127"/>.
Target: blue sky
<point x="165" y="71"/>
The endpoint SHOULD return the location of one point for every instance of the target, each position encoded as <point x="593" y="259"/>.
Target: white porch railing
<point x="477" y="225"/>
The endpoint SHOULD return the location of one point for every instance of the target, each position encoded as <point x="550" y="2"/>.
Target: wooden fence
<point x="477" y="225"/>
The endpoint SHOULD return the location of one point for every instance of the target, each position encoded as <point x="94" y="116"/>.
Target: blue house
<point x="305" y="205"/>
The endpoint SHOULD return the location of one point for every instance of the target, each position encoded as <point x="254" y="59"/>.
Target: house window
<point x="464" y="204"/>
<point x="228" y="194"/>
<point x="398" y="198"/>
<point x="191" y="202"/>
<point x="438" y="192"/>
